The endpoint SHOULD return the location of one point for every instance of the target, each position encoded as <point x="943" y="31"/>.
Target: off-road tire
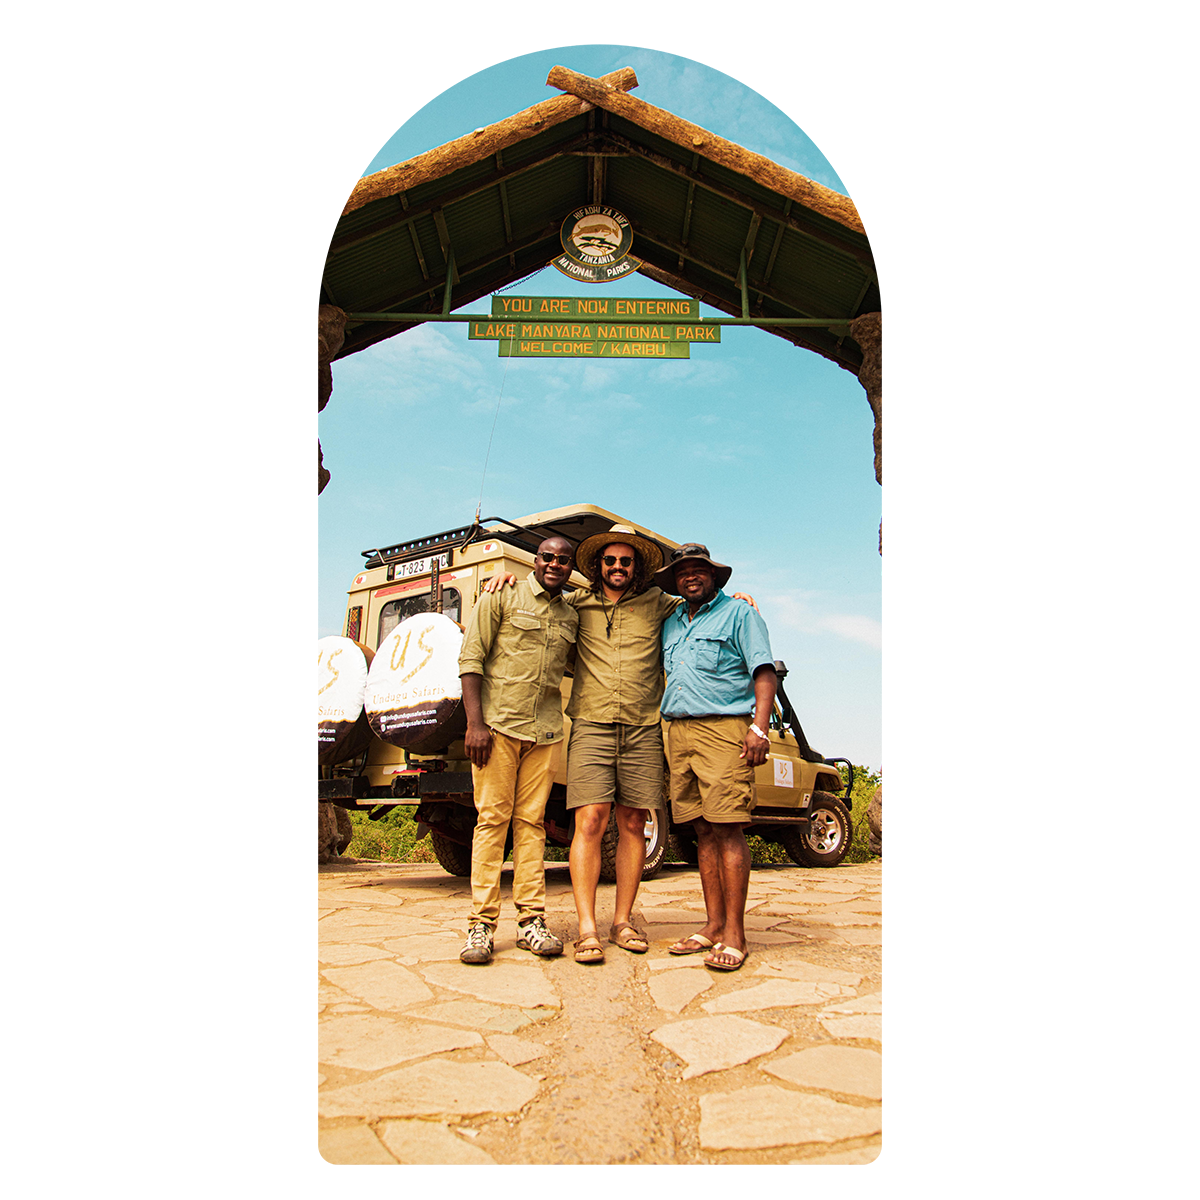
<point x="451" y="856"/>
<point x="827" y="840"/>
<point x="685" y="847"/>
<point x="656" y="846"/>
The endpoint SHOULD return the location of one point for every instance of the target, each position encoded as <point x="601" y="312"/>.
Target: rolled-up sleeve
<point x="481" y="632"/>
<point x="753" y="641"/>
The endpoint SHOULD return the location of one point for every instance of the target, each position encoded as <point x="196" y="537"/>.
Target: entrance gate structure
<point x="712" y="220"/>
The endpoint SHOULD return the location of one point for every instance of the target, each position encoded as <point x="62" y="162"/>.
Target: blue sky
<point x="758" y="448"/>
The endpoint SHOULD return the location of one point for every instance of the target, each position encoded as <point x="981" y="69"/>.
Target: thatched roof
<point x="496" y="199"/>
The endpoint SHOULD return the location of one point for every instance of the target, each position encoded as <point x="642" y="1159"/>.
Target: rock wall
<point x="875" y="821"/>
<point x="334" y="831"/>
<point x="867" y="331"/>
<point x="331" y="333"/>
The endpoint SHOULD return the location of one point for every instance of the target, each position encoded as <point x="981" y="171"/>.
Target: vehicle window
<point x="395" y="611"/>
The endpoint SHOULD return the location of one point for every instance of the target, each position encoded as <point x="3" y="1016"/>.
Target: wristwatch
<point x="755" y="729"/>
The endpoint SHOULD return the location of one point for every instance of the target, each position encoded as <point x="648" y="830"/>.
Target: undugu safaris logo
<point x="596" y="241"/>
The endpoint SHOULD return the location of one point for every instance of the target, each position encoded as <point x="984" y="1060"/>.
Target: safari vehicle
<point x="796" y="790"/>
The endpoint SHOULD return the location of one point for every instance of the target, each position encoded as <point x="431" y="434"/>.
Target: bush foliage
<point x="393" y="838"/>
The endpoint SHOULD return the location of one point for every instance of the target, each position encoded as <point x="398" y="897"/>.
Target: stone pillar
<point x="867" y="331"/>
<point x="335" y="831"/>
<point x="331" y="333"/>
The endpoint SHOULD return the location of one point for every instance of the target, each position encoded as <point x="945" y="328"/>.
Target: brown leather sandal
<point x="588" y="949"/>
<point x="628" y="938"/>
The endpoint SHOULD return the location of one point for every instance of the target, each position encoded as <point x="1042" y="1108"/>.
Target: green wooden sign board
<point x="593" y="331"/>
<point x="611" y="307"/>
<point x="551" y="347"/>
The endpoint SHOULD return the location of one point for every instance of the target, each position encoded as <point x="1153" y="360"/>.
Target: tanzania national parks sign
<point x="596" y="241"/>
<point x="580" y="327"/>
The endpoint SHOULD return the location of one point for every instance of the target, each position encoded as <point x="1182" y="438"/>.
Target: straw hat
<point x="585" y="553"/>
<point x="665" y="578"/>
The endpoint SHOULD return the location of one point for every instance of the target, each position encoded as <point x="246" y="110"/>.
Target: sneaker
<point x="533" y="935"/>
<point x="479" y="944"/>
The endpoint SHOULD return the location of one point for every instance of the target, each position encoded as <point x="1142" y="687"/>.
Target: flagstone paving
<point x="642" y="1059"/>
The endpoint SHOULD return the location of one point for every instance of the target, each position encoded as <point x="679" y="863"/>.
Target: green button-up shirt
<point x="619" y="670"/>
<point x="518" y="639"/>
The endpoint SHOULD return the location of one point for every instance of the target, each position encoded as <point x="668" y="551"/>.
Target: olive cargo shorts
<point x="709" y="778"/>
<point x="615" y="762"/>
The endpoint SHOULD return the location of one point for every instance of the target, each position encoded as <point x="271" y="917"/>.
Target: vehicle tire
<point x="827" y="840"/>
<point x="452" y="856"/>
<point x="686" y="848"/>
<point x="656" y="846"/>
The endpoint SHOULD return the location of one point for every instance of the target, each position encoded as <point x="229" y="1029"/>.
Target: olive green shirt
<point x="619" y="671"/>
<point x="518" y="639"/>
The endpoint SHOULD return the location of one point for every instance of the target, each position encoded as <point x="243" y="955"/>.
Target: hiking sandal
<point x="588" y="949"/>
<point x="533" y="935"/>
<point x="628" y="938"/>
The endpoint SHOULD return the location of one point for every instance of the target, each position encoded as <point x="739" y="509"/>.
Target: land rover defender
<point x="796" y="791"/>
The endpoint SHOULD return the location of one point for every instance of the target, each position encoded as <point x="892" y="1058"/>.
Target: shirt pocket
<point x="712" y="654"/>
<point x="668" y="652"/>
<point x="561" y="640"/>
<point x="525" y="649"/>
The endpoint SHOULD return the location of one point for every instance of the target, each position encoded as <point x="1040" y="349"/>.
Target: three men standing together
<point x="718" y="668"/>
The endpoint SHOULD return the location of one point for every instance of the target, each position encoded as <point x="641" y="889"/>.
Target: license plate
<point x="419" y="566"/>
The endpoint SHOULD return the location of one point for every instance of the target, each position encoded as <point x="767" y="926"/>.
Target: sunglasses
<point x="611" y="560"/>
<point x="563" y="560"/>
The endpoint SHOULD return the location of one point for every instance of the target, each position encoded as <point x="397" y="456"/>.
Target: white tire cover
<point x="342" y="666"/>
<point x="413" y="685"/>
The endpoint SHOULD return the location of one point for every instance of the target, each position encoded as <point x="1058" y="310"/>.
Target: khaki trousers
<point x="513" y="787"/>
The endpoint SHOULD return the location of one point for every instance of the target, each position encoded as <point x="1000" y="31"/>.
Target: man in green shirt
<point x="512" y="661"/>
<point x="615" y="753"/>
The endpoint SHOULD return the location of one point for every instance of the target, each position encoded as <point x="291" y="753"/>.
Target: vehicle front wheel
<point x="452" y="856"/>
<point x="656" y="845"/>
<point x="827" y="839"/>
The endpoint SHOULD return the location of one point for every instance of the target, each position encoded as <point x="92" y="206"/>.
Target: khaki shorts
<point x="709" y="778"/>
<point x="615" y="762"/>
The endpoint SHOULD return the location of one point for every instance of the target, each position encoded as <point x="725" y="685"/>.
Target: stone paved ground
<point x="643" y="1059"/>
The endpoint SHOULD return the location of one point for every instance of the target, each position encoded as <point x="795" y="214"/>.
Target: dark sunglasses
<point x="563" y="560"/>
<point x="611" y="560"/>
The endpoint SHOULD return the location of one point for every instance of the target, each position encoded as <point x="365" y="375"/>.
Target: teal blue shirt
<point x="711" y="660"/>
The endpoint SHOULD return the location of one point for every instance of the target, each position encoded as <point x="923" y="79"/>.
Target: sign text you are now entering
<point x="620" y="328"/>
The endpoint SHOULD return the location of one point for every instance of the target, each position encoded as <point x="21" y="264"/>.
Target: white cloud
<point x="731" y="109"/>
<point x="406" y="370"/>
<point x="854" y="628"/>
<point x="796" y="611"/>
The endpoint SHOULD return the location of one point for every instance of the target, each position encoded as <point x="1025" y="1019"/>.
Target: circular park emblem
<point x="596" y="240"/>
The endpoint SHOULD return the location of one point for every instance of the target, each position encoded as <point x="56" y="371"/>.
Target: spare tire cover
<point x="413" y="688"/>
<point x="342" y="728"/>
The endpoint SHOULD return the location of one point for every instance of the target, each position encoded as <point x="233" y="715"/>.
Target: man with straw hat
<point x="615" y="750"/>
<point x="720" y="669"/>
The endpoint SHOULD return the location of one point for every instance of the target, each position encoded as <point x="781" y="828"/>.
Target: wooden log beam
<point x="806" y="339"/>
<point x="783" y="215"/>
<point x="481" y="144"/>
<point x="367" y="333"/>
<point x="444" y="199"/>
<point x="762" y="170"/>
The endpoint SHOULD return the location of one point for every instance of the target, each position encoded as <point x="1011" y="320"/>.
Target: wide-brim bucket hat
<point x="585" y="553"/>
<point x="665" y="578"/>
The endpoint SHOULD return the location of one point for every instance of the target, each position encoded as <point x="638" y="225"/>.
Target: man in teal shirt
<point x="719" y="694"/>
